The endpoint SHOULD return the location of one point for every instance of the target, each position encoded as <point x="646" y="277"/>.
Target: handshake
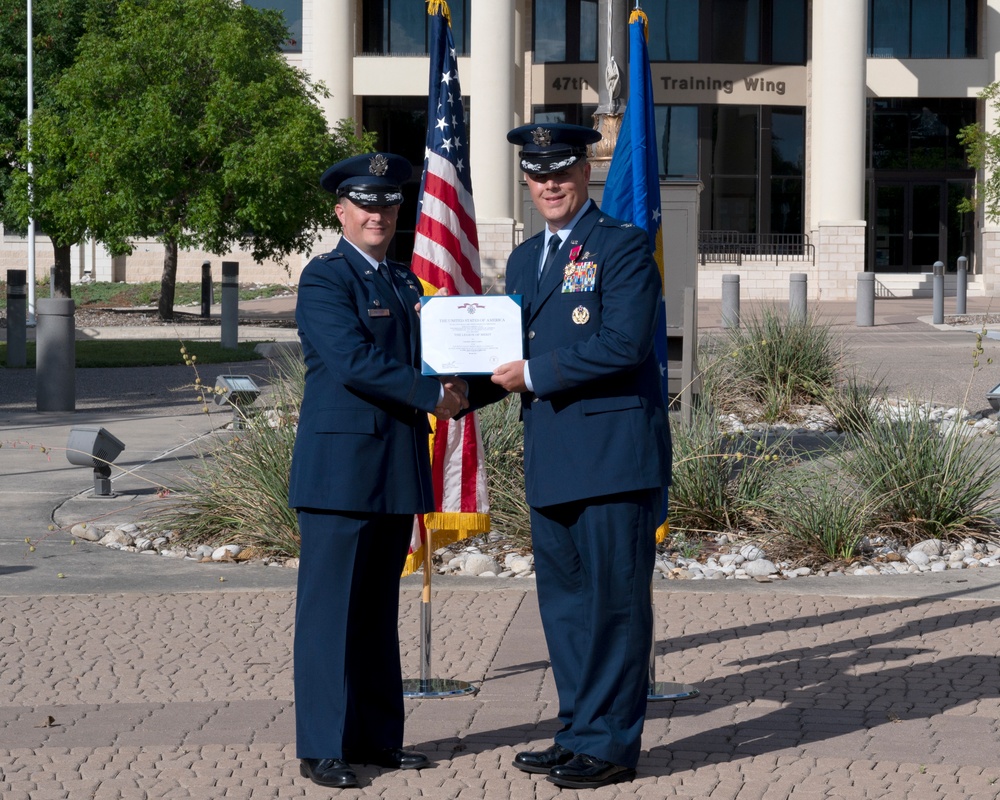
<point x="454" y="399"/>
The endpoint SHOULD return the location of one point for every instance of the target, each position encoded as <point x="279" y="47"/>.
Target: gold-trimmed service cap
<point x="372" y="179"/>
<point x="551" y="147"/>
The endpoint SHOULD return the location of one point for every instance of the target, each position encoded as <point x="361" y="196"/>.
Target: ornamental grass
<point x="932" y="481"/>
<point x="237" y="490"/>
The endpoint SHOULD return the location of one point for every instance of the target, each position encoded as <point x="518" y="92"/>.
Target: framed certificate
<point x="469" y="334"/>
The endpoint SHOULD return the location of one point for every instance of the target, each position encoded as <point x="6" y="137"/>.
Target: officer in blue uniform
<point x="596" y="455"/>
<point x="360" y="471"/>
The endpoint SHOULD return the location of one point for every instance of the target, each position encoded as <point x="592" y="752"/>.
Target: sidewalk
<point x="167" y="679"/>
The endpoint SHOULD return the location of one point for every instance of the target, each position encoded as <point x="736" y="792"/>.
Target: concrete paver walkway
<point x="137" y="677"/>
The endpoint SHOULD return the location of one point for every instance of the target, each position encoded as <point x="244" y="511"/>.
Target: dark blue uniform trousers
<point x="348" y="684"/>
<point x="594" y="562"/>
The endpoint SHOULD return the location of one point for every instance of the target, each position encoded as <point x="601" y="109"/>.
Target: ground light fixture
<point x="239" y="391"/>
<point x="993" y="395"/>
<point x="97" y="448"/>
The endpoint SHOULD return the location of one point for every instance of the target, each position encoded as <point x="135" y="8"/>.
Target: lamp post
<point x="31" y="220"/>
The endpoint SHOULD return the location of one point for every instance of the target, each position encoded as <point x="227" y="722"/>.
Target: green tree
<point x="180" y="120"/>
<point x="982" y="149"/>
<point x="57" y="25"/>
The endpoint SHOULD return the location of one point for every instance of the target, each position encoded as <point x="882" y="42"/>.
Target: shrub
<point x="853" y="402"/>
<point x="771" y="362"/>
<point x="930" y="482"/>
<point x="718" y="478"/>
<point x="820" y="516"/>
<point x="503" y="452"/>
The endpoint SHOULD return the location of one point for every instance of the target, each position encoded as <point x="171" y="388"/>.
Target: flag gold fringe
<point x="663" y="532"/>
<point x="447" y="527"/>
<point x="439" y="7"/>
<point x="636" y="14"/>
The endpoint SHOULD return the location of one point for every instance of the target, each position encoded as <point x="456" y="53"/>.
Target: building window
<point x="923" y="28"/>
<point x="918" y="133"/>
<point x="673" y="30"/>
<point x="753" y="169"/>
<point x="727" y="31"/>
<point x="292" y="12"/>
<point x="788" y="137"/>
<point x="401" y="27"/>
<point x="574" y="114"/>
<point x="677" y="133"/>
<point x="565" y="31"/>
<point x="733" y="168"/>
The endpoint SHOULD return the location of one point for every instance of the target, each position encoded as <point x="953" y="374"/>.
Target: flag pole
<point x="632" y="194"/>
<point x="446" y="255"/>
<point x="425" y="685"/>
<point x="664" y="690"/>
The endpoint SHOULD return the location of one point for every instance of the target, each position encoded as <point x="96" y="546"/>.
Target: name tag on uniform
<point x="579" y="276"/>
<point x="379" y="312"/>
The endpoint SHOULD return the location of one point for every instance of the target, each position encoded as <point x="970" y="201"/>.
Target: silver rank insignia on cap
<point x="542" y="137"/>
<point x="379" y="165"/>
<point x="580" y="315"/>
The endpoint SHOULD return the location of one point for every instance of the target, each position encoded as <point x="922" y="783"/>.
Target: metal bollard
<point x="865" y="312"/>
<point x="206" y="289"/>
<point x="17" y="317"/>
<point x="938" y="318"/>
<point x="961" y="284"/>
<point x="797" y="296"/>
<point x="55" y="355"/>
<point x="730" y="301"/>
<point x="230" y="304"/>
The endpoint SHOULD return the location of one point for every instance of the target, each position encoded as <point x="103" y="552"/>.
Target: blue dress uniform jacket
<point x="596" y="458"/>
<point x="360" y="471"/>
<point x="596" y="423"/>
<point x="362" y="439"/>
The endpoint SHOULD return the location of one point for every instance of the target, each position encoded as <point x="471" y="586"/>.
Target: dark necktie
<point x="386" y="276"/>
<point x="550" y="255"/>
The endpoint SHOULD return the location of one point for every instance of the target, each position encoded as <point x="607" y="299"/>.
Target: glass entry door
<point x="910" y="226"/>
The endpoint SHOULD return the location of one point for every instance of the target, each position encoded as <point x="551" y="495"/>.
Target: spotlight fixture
<point x="97" y="448"/>
<point x="993" y="395"/>
<point x="239" y="391"/>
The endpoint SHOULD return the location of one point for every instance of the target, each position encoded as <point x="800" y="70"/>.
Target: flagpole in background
<point x="446" y="256"/>
<point x="632" y="194"/>
<point x="612" y="38"/>
<point x="31" y="220"/>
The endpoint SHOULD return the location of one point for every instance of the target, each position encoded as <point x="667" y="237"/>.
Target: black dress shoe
<point x="390" y="757"/>
<point x="333" y="772"/>
<point x="587" y="772"/>
<point x="542" y="760"/>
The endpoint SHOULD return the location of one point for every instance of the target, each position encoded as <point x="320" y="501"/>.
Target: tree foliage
<point x="180" y="120"/>
<point x="982" y="149"/>
<point x="57" y="25"/>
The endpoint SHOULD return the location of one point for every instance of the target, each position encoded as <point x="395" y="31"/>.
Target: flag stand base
<point x="665" y="690"/>
<point x="436" y="687"/>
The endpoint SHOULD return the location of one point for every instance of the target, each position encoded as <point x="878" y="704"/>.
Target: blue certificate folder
<point x="470" y="334"/>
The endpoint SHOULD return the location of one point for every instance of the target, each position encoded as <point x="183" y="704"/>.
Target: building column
<point x="837" y="152"/>
<point x="491" y="93"/>
<point x="492" y="114"/>
<point x="329" y="49"/>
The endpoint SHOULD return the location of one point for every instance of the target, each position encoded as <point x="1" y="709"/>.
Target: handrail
<point x="731" y="247"/>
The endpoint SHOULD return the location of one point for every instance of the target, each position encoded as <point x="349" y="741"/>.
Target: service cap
<point x="551" y="147"/>
<point x="372" y="179"/>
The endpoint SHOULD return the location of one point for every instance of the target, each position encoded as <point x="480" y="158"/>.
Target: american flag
<point x="446" y="255"/>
